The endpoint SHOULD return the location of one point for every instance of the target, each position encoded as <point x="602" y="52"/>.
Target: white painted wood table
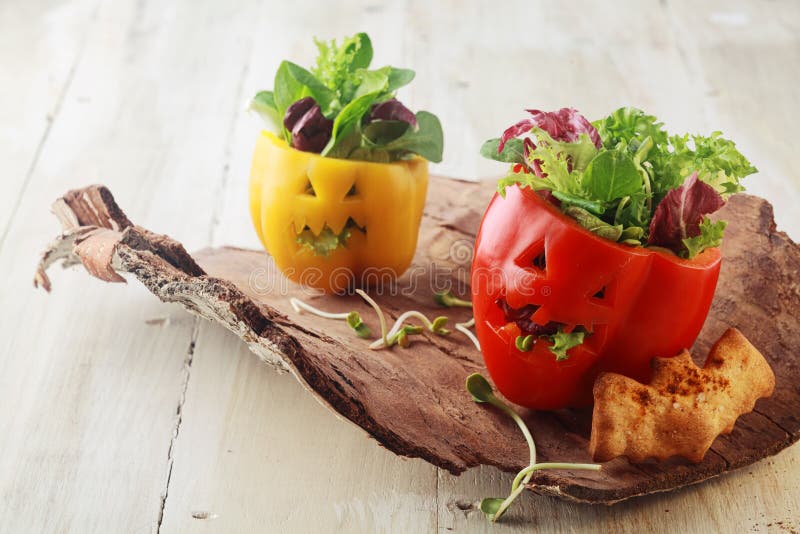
<point x="133" y="416"/>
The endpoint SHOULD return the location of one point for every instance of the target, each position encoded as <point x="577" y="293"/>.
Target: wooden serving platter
<point x="412" y="400"/>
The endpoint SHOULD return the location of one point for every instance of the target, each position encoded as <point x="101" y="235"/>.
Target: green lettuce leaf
<point x="326" y="241"/>
<point x="715" y="159"/>
<point x="710" y="236"/>
<point x="562" y="342"/>
<point x="337" y="64"/>
<point x="555" y="166"/>
<point x="631" y="126"/>
<point x="579" y="153"/>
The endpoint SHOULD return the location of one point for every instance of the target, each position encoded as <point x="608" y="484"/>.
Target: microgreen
<point x="493" y="507"/>
<point x="560" y="342"/>
<point x="398" y="334"/>
<point x="379" y="312"/>
<point x="524" y="343"/>
<point x="448" y="300"/>
<point x="353" y="319"/>
<point x="479" y="388"/>
<point x="401" y="337"/>
<point x="437" y="326"/>
<point x="614" y="175"/>
<point x="343" y="99"/>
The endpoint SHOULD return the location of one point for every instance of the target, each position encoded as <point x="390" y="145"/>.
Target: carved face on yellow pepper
<point x="332" y="223"/>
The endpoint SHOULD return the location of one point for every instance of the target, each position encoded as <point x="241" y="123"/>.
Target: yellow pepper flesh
<point x="291" y="190"/>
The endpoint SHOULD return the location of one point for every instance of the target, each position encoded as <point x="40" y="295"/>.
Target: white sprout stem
<point x="464" y="328"/>
<point x="300" y="306"/>
<point x="378" y="310"/>
<point x="398" y="324"/>
<point x="524" y="476"/>
<point x="552" y="465"/>
<point x="516" y="490"/>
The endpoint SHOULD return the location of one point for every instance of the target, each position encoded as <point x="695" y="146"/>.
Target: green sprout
<point x="353" y="319"/>
<point x="524" y="343"/>
<point x="437" y="326"/>
<point x="401" y="337"/>
<point x="494" y="507"/>
<point x="448" y="300"/>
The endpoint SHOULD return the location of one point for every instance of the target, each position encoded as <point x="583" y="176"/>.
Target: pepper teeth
<point x="315" y="224"/>
<point x="337" y="221"/>
<point x="359" y="218"/>
<point x="299" y="224"/>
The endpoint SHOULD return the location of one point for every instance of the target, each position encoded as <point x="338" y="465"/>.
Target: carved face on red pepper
<point x="536" y="271"/>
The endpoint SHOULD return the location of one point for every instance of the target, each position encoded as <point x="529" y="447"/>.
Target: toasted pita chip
<point x="684" y="408"/>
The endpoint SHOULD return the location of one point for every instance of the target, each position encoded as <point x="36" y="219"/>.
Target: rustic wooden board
<point x="412" y="400"/>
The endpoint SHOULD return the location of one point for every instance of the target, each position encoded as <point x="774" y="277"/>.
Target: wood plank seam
<point x="228" y="151"/>
<point x="213" y="224"/>
<point x="51" y="118"/>
<point x="187" y="369"/>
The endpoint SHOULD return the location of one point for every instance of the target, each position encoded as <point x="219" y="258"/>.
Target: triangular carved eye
<point x="540" y="262"/>
<point x="601" y="293"/>
<point x="352" y="192"/>
<point x="309" y="189"/>
<point x="533" y="256"/>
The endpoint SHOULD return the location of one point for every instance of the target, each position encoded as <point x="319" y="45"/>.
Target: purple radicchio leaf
<point x="680" y="213"/>
<point x="393" y="110"/>
<point x="566" y="125"/>
<point x="311" y="131"/>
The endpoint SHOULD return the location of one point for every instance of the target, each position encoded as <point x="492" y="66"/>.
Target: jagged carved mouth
<point x="327" y="240"/>
<point x="522" y="318"/>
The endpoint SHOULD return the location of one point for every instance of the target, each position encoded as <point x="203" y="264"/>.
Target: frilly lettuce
<point x="624" y="177"/>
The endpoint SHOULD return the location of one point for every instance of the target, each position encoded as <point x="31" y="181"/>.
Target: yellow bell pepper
<point x="296" y="196"/>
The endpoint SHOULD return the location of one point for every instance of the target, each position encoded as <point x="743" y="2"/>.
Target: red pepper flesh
<point x="638" y="303"/>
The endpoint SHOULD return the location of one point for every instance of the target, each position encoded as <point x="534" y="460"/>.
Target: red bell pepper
<point x="536" y="269"/>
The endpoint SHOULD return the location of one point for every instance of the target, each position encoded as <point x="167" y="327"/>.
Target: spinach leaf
<point x="611" y="175"/>
<point x="264" y="104"/>
<point x="326" y="98"/>
<point x="345" y="90"/>
<point x="398" y="78"/>
<point x="383" y="132"/>
<point x="371" y="81"/>
<point x="594" y="224"/>
<point x="597" y="208"/>
<point x="427" y="140"/>
<point x="513" y="151"/>
<point x="348" y="118"/>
